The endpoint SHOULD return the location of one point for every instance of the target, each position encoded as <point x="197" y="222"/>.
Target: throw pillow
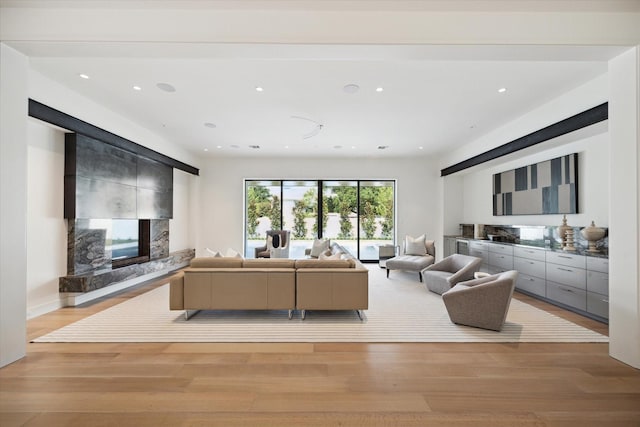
<point x="329" y="255"/>
<point x="211" y="253"/>
<point x="319" y="246"/>
<point x="230" y="253"/>
<point x="415" y="246"/>
<point x="275" y="241"/>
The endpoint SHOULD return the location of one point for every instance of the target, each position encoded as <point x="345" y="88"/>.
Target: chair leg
<point x="420" y="276"/>
<point x="387" y="273"/>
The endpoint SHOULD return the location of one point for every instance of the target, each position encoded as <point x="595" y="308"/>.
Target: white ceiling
<point x="435" y="96"/>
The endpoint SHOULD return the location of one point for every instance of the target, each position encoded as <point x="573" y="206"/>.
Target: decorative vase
<point x="569" y="241"/>
<point x="562" y="231"/>
<point x="592" y="234"/>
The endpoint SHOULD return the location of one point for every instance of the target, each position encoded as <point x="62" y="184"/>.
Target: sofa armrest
<point x="176" y="291"/>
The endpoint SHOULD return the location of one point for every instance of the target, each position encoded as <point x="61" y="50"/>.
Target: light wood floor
<point x="300" y="384"/>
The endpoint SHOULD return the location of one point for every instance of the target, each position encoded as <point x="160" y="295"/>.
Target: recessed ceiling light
<point x="206" y="149"/>
<point x="286" y="146"/>
<point x="138" y="88"/>
<point x="420" y="148"/>
<point x="218" y="146"/>
<point x="379" y="89"/>
<point x="353" y="147"/>
<point x="351" y="88"/>
<point x="210" y="125"/>
<point x="83" y="76"/>
<point x="166" y="87"/>
<point x="259" y="89"/>
<point x="337" y="147"/>
<point x="502" y="90"/>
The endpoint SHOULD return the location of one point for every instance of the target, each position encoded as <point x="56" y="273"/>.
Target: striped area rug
<point x="400" y="310"/>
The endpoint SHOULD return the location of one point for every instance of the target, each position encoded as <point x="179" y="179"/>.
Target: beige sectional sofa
<point x="214" y="283"/>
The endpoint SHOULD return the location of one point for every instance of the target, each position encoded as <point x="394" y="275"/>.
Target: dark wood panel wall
<point x="103" y="181"/>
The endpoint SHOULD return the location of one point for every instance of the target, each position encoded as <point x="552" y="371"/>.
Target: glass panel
<point x="263" y="212"/>
<point x="339" y="208"/>
<point x="376" y="217"/>
<point x="300" y="213"/>
<point x="124" y="238"/>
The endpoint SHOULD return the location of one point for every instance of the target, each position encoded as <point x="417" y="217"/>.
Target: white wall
<point x="593" y="186"/>
<point x="182" y="230"/>
<point x="221" y="196"/>
<point x="13" y="208"/>
<point x="46" y="226"/>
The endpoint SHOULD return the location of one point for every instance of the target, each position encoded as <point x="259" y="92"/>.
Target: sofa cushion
<point x="410" y="262"/>
<point x="329" y="255"/>
<point x="415" y="246"/>
<point x="319" y="246"/>
<point x="216" y="262"/>
<point x="268" y="263"/>
<point x="325" y="263"/>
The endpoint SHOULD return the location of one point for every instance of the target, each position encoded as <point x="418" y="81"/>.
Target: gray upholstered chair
<point x="443" y="275"/>
<point x="481" y="303"/>
<point x="418" y="254"/>
<point x="277" y="245"/>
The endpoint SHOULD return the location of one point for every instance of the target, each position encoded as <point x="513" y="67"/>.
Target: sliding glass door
<point x="376" y="217"/>
<point x="299" y="214"/>
<point x="263" y="212"/>
<point x="357" y="214"/>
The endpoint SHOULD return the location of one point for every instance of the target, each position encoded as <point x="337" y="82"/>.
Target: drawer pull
<point x="605" y="300"/>
<point x="564" y="256"/>
<point x="566" y="290"/>
<point x="530" y="262"/>
<point x="531" y="280"/>
<point x="565" y="269"/>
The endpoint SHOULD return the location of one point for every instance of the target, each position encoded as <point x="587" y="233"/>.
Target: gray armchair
<point x="481" y="303"/>
<point x="277" y="245"/>
<point x="443" y="275"/>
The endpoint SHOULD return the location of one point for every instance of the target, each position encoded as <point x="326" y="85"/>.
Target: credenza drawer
<point x="529" y="267"/>
<point x="598" y="304"/>
<point x="501" y="249"/>
<point x="492" y="269"/>
<point x="598" y="282"/>
<point x="567" y="295"/>
<point x="501" y="261"/>
<point x="529" y="253"/>
<point x="567" y="259"/>
<point x="479" y="254"/>
<point x="571" y="276"/>
<point x="598" y="264"/>
<point x="481" y="246"/>
<point x="535" y="285"/>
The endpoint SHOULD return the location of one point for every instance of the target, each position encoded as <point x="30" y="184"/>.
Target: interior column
<point x="624" y="206"/>
<point x="13" y="210"/>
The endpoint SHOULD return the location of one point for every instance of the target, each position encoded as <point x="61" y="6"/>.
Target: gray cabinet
<point x="500" y="257"/>
<point x="480" y="249"/>
<point x="449" y="246"/>
<point x="576" y="282"/>
<point x="598" y="286"/>
<point x="531" y="267"/>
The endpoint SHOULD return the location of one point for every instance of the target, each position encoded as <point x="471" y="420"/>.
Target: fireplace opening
<point x="130" y="242"/>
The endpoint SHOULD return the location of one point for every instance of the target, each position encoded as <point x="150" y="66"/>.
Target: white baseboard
<point x="72" y="299"/>
<point x="41" y="309"/>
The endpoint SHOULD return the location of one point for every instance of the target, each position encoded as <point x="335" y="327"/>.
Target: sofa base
<point x="188" y="314"/>
<point x="304" y="314"/>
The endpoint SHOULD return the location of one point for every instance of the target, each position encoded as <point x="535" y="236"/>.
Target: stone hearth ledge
<point x="95" y="280"/>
